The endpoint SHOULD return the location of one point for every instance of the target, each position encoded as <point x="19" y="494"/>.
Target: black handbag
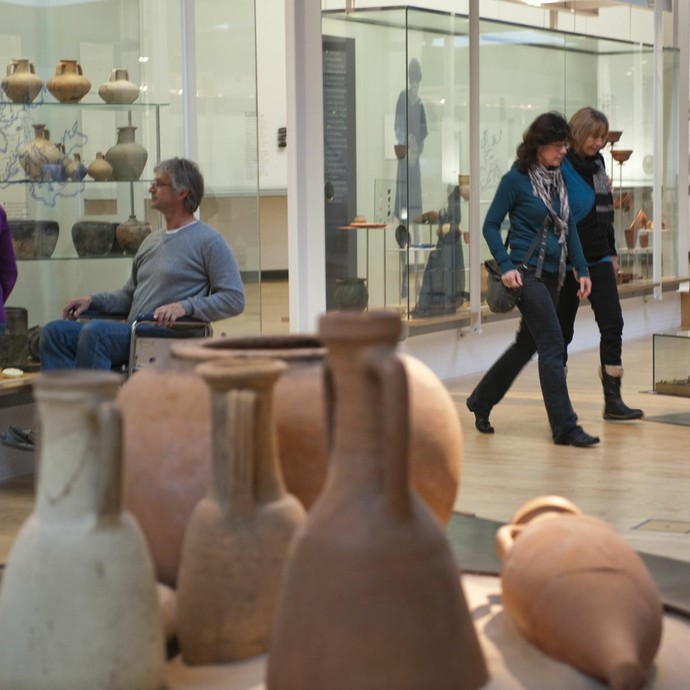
<point x="501" y="299"/>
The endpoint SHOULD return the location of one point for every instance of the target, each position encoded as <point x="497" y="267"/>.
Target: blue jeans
<point x="96" y="344"/>
<point x="539" y="328"/>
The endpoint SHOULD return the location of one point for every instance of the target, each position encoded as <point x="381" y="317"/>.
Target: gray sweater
<point x="193" y="266"/>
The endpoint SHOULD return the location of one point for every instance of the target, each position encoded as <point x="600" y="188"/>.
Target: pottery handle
<point x="32" y="68"/>
<point x="329" y="397"/>
<point x="109" y="475"/>
<point x="79" y="69"/>
<point x="505" y="537"/>
<point x="393" y="389"/>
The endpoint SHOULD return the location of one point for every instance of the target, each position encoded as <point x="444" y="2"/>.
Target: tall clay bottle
<point x="236" y="543"/>
<point x="575" y="589"/>
<point x="372" y="597"/>
<point x="78" y="603"/>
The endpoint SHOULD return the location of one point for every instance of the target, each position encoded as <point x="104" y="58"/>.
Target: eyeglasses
<point x="558" y="145"/>
<point x="156" y="184"/>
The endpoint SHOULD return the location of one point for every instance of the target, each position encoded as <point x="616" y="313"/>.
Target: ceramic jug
<point x="119" y="89"/>
<point x="131" y="233"/>
<point x="99" y="169"/>
<point x="39" y="156"/>
<point x="371" y="596"/>
<point x="78" y="603"/>
<point x="74" y="168"/>
<point x="237" y="539"/>
<point x="68" y="85"/>
<point x="167" y="473"/>
<point x="575" y="589"/>
<point x="127" y="157"/>
<point x="21" y="84"/>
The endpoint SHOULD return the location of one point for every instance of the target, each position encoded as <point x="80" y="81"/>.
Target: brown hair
<point x="548" y="128"/>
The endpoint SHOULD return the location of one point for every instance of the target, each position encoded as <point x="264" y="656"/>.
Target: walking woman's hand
<point x="585" y="286"/>
<point x="512" y="279"/>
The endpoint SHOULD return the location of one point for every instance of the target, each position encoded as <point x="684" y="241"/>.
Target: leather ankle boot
<point x="614" y="407"/>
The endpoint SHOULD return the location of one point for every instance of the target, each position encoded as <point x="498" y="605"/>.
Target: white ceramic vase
<point x="78" y="604"/>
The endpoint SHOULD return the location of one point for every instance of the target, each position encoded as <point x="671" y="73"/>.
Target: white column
<point x="475" y="229"/>
<point x="306" y="225"/>
<point x="189" y="104"/>
<point x="681" y="14"/>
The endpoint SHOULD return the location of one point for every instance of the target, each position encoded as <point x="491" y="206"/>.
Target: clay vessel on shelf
<point x="575" y="589"/>
<point x="621" y="155"/>
<point x="78" y="603"/>
<point x="68" y="85"/>
<point x="93" y="238"/>
<point x="613" y="136"/>
<point x="166" y="473"/>
<point x="74" y="168"/>
<point x="34" y="239"/>
<point x="237" y="540"/>
<point x="631" y="232"/>
<point x="99" y="169"/>
<point x="127" y="157"/>
<point x="351" y="294"/>
<point x="370" y="547"/>
<point x="131" y="234"/>
<point x="21" y="84"/>
<point x="464" y="185"/>
<point x="118" y="89"/>
<point x="400" y="151"/>
<point x="40" y="156"/>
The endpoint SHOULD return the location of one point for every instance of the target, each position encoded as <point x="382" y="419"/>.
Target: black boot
<point x="614" y="407"/>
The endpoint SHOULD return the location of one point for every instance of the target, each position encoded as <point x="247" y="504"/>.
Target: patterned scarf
<point x="547" y="185"/>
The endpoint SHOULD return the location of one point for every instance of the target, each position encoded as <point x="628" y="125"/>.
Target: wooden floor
<point x="638" y="479"/>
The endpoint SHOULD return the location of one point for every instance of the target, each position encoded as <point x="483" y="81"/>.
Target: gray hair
<point x="184" y="175"/>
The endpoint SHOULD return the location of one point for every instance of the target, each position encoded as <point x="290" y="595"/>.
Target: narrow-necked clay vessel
<point x="371" y="597"/>
<point x="78" y="603"/>
<point x="167" y="471"/>
<point x="118" y="89"/>
<point x="68" y="84"/>
<point x="21" y="84"/>
<point x="238" y="536"/>
<point x="575" y="589"/>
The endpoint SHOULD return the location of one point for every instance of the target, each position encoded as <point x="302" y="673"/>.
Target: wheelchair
<point x="150" y="343"/>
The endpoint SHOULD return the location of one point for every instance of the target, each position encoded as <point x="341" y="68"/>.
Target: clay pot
<point x="34" y="239"/>
<point x="631" y="237"/>
<point x="167" y="471"/>
<point x="369" y="546"/>
<point x="464" y="185"/>
<point x="119" y="89"/>
<point x="131" y="234"/>
<point x="37" y="156"/>
<point x="78" y="595"/>
<point x="69" y="85"/>
<point x="351" y="294"/>
<point x="400" y="151"/>
<point x="575" y="589"/>
<point x="21" y="84"/>
<point x="238" y="536"/>
<point x="14" y="345"/>
<point x="100" y="169"/>
<point x="127" y="157"/>
<point x="75" y="169"/>
<point x="93" y="237"/>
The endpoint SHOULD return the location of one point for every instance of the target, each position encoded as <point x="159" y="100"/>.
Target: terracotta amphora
<point x="238" y="536"/>
<point x="78" y="604"/>
<point x="167" y="466"/>
<point x="68" y="85"/>
<point x="21" y="83"/>
<point x="371" y="596"/>
<point x="576" y="590"/>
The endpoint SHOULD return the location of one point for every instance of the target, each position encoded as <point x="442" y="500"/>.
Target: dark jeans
<point x="539" y="329"/>
<point x="605" y="305"/>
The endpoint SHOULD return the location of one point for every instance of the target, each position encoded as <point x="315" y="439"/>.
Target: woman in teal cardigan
<point x="542" y="239"/>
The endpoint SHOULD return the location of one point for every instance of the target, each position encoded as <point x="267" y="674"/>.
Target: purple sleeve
<point x="8" y="264"/>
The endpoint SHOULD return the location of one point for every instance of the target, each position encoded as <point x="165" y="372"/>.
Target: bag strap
<point x="541" y="235"/>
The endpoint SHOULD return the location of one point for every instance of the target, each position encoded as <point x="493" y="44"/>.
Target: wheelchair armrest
<point x="95" y="314"/>
<point x="182" y="323"/>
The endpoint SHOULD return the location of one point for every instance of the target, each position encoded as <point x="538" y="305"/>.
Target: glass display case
<point x="150" y="44"/>
<point x="406" y="147"/>
<point x="672" y="363"/>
